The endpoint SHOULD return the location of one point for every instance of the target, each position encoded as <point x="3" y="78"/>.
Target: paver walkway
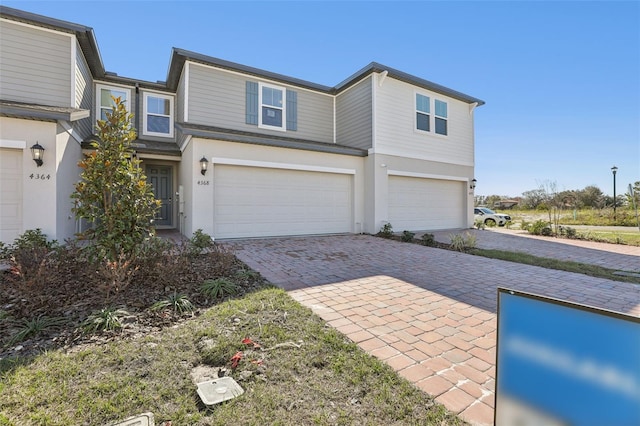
<point x="429" y="313"/>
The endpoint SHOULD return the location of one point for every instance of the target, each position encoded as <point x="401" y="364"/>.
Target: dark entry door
<point x="161" y="179"/>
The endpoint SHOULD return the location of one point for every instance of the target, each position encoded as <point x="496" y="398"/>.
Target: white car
<point x="489" y="217"/>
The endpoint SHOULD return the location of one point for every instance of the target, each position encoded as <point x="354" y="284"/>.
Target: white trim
<point x="383" y="77"/>
<point x="7" y="143"/>
<point x="416" y="112"/>
<point x="70" y="130"/>
<point x="172" y="158"/>
<point x="335" y="135"/>
<point x="283" y="108"/>
<point x="425" y="175"/>
<point x="185" y="104"/>
<point x="261" y="78"/>
<point x="285" y="166"/>
<point x="97" y="94"/>
<point x="185" y="142"/>
<point x="160" y="95"/>
<point x="374" y="115"/>
<point x="404" y="154"/>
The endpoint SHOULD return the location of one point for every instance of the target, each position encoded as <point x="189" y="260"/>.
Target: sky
<point x="561" y="80"/>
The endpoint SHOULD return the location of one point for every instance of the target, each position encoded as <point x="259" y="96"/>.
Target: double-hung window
<point x="423" y="109"/>
<point x="158" y="115"/>
<point x="271" y="100"/>
<point x="441" y="117"/>
<point x="105" y="95"/>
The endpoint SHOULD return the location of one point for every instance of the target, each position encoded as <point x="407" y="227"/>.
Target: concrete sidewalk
<point x="429" y="313"/>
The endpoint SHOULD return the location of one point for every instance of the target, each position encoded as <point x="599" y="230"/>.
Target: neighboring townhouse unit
<point x="233" y="150"/>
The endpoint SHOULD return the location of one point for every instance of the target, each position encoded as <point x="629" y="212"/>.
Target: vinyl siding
<point x="35" y="65"/>
<point x="395" y="126"/>
<point x="84" y="94"/>
<point x="354" y="116"/>
<point x="217" y="98"/>
<point x="180" y="97"/>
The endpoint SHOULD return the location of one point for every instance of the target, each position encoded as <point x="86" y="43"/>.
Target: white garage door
<point x="259" y="202"/>
<point x="426" y="204"/>
<point x="11" y="194"/>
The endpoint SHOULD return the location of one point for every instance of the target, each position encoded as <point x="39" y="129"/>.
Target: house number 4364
<point x="40" y="176"/>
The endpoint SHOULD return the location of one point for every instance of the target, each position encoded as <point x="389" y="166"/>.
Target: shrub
<point x="464" y="242"/>
<point x="199" y="242"/>
<point x="219" y="287"/>
<point x="479" y="224"/>
<point x="386" y="231"/>
<point x="540" y="227"/>
<point x="407" y="236"/>
<point x="524" y="225"/>
<point x="428" y="240"/>
<point x="32" y="327"/>
<point x="28" y="255"/>
<point x="569" y="232"/>
<point x="177" y="302"/>
<point x="106" y="319"/>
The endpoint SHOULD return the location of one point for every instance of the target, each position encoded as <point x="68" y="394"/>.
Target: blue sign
<point x="565" y="364"/>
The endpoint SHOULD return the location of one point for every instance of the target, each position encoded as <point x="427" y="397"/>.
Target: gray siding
<point x="35" y="65"/>
<point x="217" y="98"/>
<point x="354" y="116"/>
<point x="180" y="101"/>
<point x="84" y="94"/>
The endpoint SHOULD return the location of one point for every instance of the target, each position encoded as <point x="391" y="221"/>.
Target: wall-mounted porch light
<point x="37" y="152"/>
<point x="473" y="183"/>
<point x="204" y="163"/>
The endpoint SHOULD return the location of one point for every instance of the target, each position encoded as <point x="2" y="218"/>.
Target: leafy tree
<point x="590" y="196"/>
<point x="113" y="193"/>
<point x="532" y="199"/>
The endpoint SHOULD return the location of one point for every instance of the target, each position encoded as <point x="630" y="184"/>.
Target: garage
<point x="260" y="201"/>
<point x="426" y="204"/>
<point x="11" y="200"/>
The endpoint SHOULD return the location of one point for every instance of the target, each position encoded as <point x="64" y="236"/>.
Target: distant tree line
<point x="546" y="197"/>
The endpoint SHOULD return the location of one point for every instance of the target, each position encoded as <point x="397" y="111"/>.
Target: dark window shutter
<point x="292" y="110"/>
<point x="251" y="107"/>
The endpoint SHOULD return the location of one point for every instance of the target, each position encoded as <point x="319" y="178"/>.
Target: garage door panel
<point x="11" y="199"/>
<point x="425" y="204"/>
<point x="254" y="201"/>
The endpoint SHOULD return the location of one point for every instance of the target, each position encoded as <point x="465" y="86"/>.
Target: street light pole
<point x="614" y="169"/>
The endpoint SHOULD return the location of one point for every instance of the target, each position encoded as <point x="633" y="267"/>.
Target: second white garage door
<point x="11" y="199"/>
<point x="259" y="202"/>
<point x="426" y="204"/>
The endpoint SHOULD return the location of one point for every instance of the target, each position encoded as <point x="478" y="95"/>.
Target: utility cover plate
<point x="219" y="390"/>
<point x="144" y="419"/>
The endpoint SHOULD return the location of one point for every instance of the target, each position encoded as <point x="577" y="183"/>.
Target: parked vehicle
<point x="489" y="217"/>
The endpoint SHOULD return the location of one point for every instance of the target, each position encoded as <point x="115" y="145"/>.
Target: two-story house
<point x="230" y="149"/>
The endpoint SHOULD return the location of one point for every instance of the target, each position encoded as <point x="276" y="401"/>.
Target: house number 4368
<point x="203" y="182"/>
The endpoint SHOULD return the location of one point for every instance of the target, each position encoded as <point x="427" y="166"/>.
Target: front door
<point x="161" y="179"/>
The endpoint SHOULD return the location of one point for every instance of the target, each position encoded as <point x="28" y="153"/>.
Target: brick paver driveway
<point x="429" y="313"/>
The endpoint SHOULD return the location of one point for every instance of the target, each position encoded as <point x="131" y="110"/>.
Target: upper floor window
<point x="423" y="110"/>
<point x="441" y="117"/>
<point x="272" y="112"/>
<point x="158" y="115"/>
<point x="105" y="95"/>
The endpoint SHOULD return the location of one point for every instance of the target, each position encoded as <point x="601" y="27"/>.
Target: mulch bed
<point x="72" y="290"/>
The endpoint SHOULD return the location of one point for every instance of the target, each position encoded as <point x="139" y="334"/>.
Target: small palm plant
<point x="177" y="302"/>
<point x="34" y="326"/>
<point x="219" y="287"/>
<point x="106" y="319"/>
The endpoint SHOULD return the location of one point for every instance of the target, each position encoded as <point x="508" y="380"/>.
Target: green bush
<point x="219" y="287"/>
<point x="386" y="231"/>
<point x="407" y="236"/>
<point x="106" y="319"/>
<point x="479" y="224"/>
<point x="28" y="254"/>
<point x="199" y="242"/>
<point x="428" y="240"/>
<point x="540" y="227"/>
